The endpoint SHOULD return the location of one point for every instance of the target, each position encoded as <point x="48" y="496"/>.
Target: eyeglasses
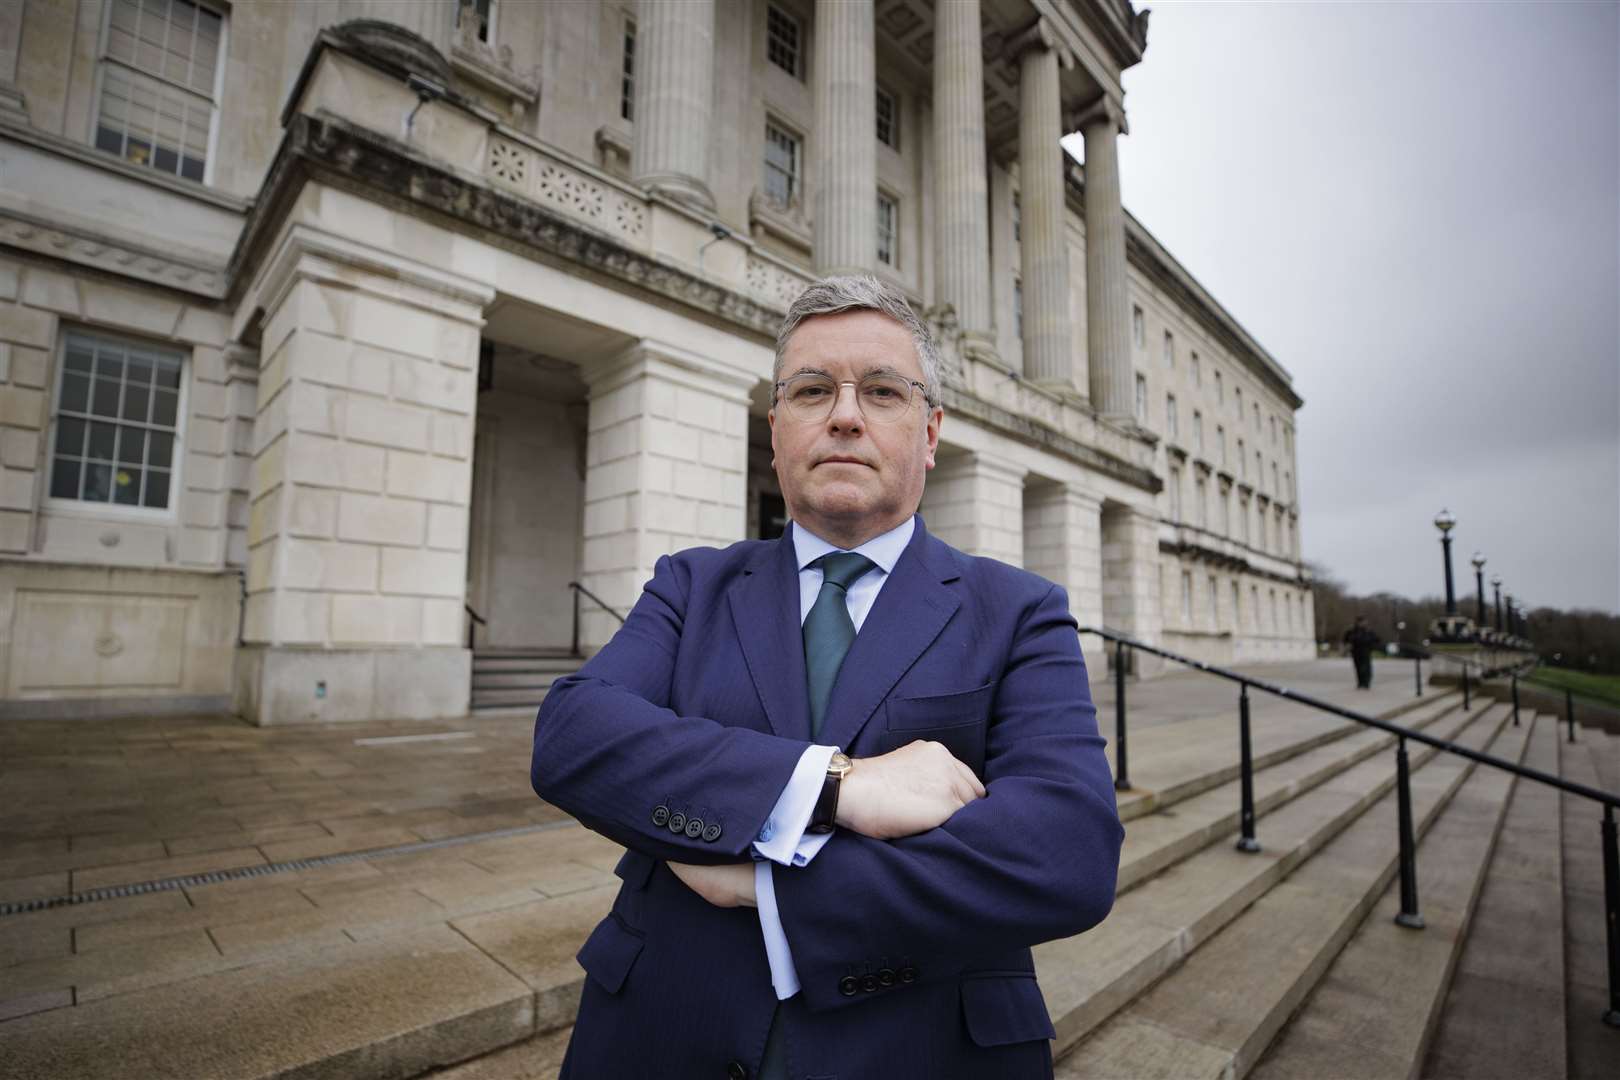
<point x="881" y="398"/>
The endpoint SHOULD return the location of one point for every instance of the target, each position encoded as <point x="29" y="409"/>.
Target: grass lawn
<point x="1604" y="688"/>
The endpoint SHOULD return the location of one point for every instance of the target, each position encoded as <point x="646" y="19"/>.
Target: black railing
<point x="1409" y="915"/>
<point x="474" y="621"/>
<point x="580" y="590"/>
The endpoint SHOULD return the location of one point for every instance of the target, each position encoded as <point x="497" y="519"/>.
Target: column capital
<point x="1038" y="36"/>
<point x="1104" y="110"/>
<point x="650" y="357"/>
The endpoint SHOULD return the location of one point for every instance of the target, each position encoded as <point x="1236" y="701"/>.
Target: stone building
<point x="336" y="335"/>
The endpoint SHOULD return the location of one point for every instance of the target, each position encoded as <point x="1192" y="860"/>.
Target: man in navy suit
<point x="857" y="771"/>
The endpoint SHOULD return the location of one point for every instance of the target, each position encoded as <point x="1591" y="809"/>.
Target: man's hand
<point x="906" y="791"/>
<point x="728" y="885"/>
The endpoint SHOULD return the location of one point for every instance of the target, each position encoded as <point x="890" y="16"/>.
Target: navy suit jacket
<point x="676" y="741"/>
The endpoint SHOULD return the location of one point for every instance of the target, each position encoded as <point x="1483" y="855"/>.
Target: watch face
<point x="840" y="764"/>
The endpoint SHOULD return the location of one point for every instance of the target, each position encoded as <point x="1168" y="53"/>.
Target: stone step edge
<point x="1165" y="798"/>
<point x="1075" y="1022"/>
<point x="1266" y="1027"/>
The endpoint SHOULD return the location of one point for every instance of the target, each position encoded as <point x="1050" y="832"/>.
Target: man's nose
<point x="846" y="411"/>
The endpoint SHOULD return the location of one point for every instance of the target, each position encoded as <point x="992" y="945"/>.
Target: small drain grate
<point x="214" y="877"/>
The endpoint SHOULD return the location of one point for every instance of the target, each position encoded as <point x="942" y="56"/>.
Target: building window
<point x="888" y="235"/>
<point x="783" y="41"/>
<point x="1243" y="462"/>
<point x="116" y="422"/>
<point x="1273" y="431"/>
<point x="1276" y="626"/>
<point x="1259" y="470"/>
<point x="1237" y="396"/>
<point x="1226" y="513"/>
<point x="1257" y="416"/>
<point x="1175" y="495"/>
<point x="1018" y="332"/>
<point x="1169" y="349"/>
<point x="1170" y="426"/>
<point x="1220" y="390"/>
<point x="1237" y="606"/>
<point x="627" y="74"/>
<point x="1276" y="490"/>
<point x="781" y="164"/>
<point x="1254" y="606"/>
<point x="1243" y="520"/>
<point x="1198" y="377"/>
<point x="158" y="84"/>
<point x="1200" y="502"/>
<point x="1288" y="485"/>
<point x="1220" y="443"/>
<point x="1141" y="399"/>
<point x="1138" y="328"/>
<point x="1198" y="432"/>
<point x="1186" y="598"/>
<point x="482" y="12"/>
<point x="1018" y="238"/>
<point x="1214" y="603"/>
<point x="888" y="119"/>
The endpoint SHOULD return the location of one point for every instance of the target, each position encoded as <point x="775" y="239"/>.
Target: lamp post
<point x="1479" y="584"/>
<point x="1496" y="583"/>
<point x="1445" y="522"/>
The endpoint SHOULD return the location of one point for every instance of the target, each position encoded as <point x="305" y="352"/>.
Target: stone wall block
<point x="209" y="436"/>
<point x="447" y="528"/>
<point x="52" y="291"/>
<point x="201" y="547"/>
<point x="379" y="422"/>
<point x="320" y="462"/>
<point x="423" y="573"/>
<point x="22" y="408"/>
<point x="329" y="567"/>
<point x="370" y="370"/>
<point x="28" y="366"/>
<point x="312" y="513"/>
<point x="384" y="620"/>
<point x="17" y="489"/>
<point x="419" y="476"/>
<point x="143" y="311"/>
<point x="22" y="325"/>
<point x="425" y="382"/>
<point x="443" y="622"/>
<point x="452" y="436"/>
<point x="19" y="448"/>
<point x="378" y="520"/>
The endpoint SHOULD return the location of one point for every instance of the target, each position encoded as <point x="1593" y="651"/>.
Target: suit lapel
<point x="765" y="611"/>
<point x="910" y="611"/>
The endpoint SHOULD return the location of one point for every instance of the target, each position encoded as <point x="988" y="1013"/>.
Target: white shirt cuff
<point x="784" y="979"/>
<point x="782" y="838"/>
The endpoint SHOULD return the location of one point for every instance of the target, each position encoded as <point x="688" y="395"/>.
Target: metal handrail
<point x="1409" y="915"/>
<point x="472" y="627"/>
<point x="578" y="590"/>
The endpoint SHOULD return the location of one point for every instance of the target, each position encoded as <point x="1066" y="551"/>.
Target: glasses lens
<point x="810" y="396"/>
<point x="881" y="397"/>
<point x="884" y="397"/>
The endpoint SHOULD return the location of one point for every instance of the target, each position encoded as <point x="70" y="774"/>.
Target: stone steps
<point x="1393" y="981"/>
<point x="1593" y="1048"/>
<point x="1504" y="1013"/>
<point x="1215" y="1014"/>
<point x="517" y="678"/>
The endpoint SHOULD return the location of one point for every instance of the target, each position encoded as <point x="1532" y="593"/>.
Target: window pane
<point x="102" y="437"/>
<point x="131" y="446"/>
<point x="161" y="449"/>
<point x="127" y="486"/>
<point x="98" y="483"/>
<point x="157" y="489"/>
<point x="75" y="392"/>
<point x="168" y="372"/>
<point x="191" y="168"/>
<point x="70" y="436"/>
<point x="137" y="399"/>
<point x="163" y="407"/>
<point x="110" y="363"/>
<point x="138" y="369"/>
<point x="166" y="160"/>
<point x="65" y="479"/>
<point x="104" y="400"/>
<point x="109" y="140"/>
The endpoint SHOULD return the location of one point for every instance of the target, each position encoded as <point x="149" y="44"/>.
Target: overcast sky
<point x="1416" y="210"/>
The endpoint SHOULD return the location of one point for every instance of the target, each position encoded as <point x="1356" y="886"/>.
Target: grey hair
<point x="862" y="292"/>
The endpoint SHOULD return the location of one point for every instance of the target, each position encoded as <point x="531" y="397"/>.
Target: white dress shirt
<point x="782" y="839"/>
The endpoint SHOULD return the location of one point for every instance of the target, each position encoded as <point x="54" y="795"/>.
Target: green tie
<point x="828" y="629"/>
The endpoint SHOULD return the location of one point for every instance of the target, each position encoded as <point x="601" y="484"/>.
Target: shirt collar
<point x="885" y="550"/>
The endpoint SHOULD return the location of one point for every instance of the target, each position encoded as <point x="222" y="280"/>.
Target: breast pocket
<point x="956" y="720"/>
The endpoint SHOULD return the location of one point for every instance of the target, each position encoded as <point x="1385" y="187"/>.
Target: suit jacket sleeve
<point x="1034" y="860"/>
<point x="609" y="750"/>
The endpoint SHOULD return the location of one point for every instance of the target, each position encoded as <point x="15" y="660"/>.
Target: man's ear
<point x="935" y="418"/>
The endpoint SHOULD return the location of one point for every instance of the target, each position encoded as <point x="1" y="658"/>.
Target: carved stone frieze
<point x="125" y="260"/>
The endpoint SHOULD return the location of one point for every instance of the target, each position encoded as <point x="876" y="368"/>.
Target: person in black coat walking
<point x="1360" y="640"/>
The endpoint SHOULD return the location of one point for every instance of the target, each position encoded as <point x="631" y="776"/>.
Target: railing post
<point x="1246" y="842"/>
<point x="575" y="650"/>
<point x="1569" y="713"/>
<point x="1409" y="916"/>
<point x="1465" y="688"/>
<point x="1611" y="909"/>
<point x="1417" y="673"/>
<point x="1515" y="699"/>
<point x="1122" y="777"/>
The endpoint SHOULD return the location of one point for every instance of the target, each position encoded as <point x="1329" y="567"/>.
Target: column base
<point x="686" y="190"/>
<point x="282" y="685"/>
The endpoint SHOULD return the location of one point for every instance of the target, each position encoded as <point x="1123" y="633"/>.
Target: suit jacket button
<point x="661" y="816"/>
<point x="677" y="822"/>
<point x="711" y="832"/>
<point x="736" y="1071"/>
<point x="908" y="974"/>
<point x="848" y="985"/>
<point x="694" y="827"/>
<point x="869" y="982"/>
<point x="886" y="976"/>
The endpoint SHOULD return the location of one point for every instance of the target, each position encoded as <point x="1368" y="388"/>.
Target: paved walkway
<point x="501" y="903"/>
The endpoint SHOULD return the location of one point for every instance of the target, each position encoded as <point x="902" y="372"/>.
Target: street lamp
<point x="1445" y="522"/>
<point x="1479" y="583"/>
<point x="1496" y="583"/>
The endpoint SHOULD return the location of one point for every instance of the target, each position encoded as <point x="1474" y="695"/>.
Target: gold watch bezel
<point x="839" y="765"/>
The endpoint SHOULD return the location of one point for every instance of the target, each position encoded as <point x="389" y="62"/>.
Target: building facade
<point x="337" y="336"/>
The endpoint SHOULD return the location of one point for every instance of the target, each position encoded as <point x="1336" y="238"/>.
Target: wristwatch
<point x="821" y="818"/>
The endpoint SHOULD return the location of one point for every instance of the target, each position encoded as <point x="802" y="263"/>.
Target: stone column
<point x="666" y="460"/>
<point x="362" y="447"/>
<point x="1108" y="314"/>
<point x="961" y="182"/>
<point x="975" y="503"/>
<point x="1063" y="543"/>
<point x="845" y="139"/>
<point x="433" y="20"/>
<point x="242" y="396"/>
<point x="1130" y="569"/>
<point x="674" y="96"/>
<point x="12" y="106"/>
<point x="1048" y="334"/>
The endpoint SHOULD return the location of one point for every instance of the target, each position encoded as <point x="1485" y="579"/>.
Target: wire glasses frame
<point x="881" y="398"/>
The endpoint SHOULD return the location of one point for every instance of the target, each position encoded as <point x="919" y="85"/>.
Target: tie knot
<point x="841" y="569"/>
